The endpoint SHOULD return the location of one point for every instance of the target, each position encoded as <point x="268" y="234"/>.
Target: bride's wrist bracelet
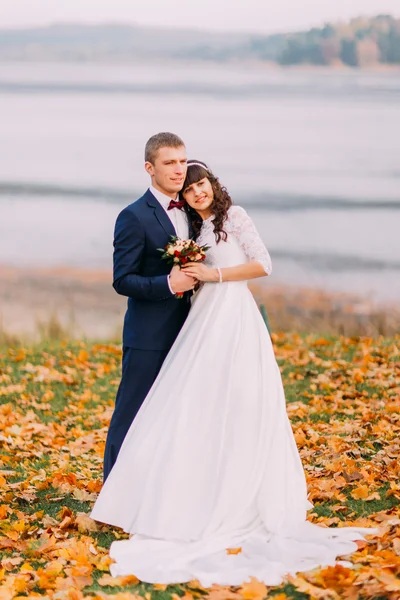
<point x="219" y="274"/>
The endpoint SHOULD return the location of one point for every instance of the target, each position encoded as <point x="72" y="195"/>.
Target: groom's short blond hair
<point x="161" y="140"/>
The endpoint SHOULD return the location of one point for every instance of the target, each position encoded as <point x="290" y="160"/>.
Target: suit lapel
<point x="160" y="214"/>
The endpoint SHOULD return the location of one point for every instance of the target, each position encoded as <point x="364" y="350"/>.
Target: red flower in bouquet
<point x="180" y="252"/>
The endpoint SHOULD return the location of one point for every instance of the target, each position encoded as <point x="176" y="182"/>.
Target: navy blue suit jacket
<point x="154" y="316"/>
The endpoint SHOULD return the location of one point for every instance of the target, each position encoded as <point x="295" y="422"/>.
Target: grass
<point x="56" y="400"/>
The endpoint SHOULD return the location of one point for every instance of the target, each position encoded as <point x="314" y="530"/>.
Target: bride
<point x="209" y="481"/>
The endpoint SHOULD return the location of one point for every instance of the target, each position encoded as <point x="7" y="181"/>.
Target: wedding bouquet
<point x="180" y="252"/>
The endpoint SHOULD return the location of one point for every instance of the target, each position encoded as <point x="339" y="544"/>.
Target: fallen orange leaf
<point x="233" y="550"/>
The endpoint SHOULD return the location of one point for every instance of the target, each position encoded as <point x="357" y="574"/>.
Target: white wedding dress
<point x="210" y="462"/>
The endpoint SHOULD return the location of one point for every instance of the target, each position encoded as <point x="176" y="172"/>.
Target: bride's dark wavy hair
<point x="196" y="171"/>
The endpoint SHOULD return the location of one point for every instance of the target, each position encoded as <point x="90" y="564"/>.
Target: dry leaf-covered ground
<point x="344" y="405"/>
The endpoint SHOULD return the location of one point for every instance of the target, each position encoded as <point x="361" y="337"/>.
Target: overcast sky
<point x="241" y="15"/>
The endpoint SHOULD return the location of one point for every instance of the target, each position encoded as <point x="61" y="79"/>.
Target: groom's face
<point x="168" y="171"/>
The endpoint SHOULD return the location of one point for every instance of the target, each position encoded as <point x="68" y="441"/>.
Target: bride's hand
<point x="200" y="272"/>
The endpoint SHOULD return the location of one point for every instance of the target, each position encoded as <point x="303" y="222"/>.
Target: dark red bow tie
<point x="176" y="204"/>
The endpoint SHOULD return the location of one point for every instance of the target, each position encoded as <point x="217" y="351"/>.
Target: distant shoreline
<point x="81" y="303"/>
<point x="245" y="63"/>
<point x="361" y="41"/>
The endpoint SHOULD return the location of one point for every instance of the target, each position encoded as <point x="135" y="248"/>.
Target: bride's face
<point x="199" y="195"/>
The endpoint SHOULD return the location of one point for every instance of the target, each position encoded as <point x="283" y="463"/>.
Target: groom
<point x="154" y="316"/>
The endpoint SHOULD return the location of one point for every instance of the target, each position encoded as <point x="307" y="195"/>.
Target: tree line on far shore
<point x="362" y="42"/>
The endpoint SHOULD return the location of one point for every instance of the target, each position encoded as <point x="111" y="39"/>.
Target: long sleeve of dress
<point x="242" y="227"/>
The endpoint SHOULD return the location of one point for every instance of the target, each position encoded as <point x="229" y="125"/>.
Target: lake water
<point x="313" y="155"/>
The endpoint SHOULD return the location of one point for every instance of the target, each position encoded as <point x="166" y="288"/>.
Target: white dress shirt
<point x="177" y="217"/>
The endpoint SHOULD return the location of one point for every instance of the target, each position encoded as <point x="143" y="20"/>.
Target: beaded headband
<point x="199" y="165"/>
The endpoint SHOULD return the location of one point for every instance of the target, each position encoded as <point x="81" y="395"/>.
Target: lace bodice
<point x="242" y="236"/>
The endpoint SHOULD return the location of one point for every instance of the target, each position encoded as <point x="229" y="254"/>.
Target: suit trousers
<point x="139" y="371"/>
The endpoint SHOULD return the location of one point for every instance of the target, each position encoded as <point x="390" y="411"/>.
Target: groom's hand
<point x="180" y="282"/>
